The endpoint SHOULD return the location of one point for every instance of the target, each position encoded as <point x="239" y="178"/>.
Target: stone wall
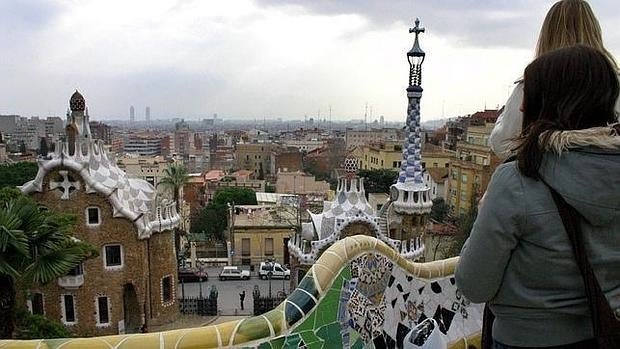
<point x="102" y="281"/>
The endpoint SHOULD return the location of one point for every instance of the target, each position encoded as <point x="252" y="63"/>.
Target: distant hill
<point x="434" y="124"/>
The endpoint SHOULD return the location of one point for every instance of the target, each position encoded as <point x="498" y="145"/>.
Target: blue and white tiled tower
<point x="410" y="195"/>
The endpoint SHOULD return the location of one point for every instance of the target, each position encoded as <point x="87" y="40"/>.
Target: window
<point x="103" y="311"/>
<point x="268" y="246"/>
<point x="37" y="304"/>
<point x="166" y="289"/>
<point x="454" y="175"/>
<point x="464" y="178"/>
<point x="245" y="247"/>
<point x="395" y="164"/>
<point x="151" y="180"/>
<point x="113" y="256"/>
<point x="435" y="164"/>
<point x="78" y="270"/>
<point x="68" y="307"/>
<point x="92" y="216"/>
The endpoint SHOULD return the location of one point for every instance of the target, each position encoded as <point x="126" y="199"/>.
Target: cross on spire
<point x="417" y="29"/>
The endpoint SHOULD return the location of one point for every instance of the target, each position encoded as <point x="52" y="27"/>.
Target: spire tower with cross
<point x="410" y="195"/>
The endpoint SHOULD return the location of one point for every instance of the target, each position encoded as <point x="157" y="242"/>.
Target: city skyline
<point x="264" y="58"/>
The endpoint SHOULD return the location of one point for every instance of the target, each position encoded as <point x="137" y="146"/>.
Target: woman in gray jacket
<point x="518" y="257"/>
<point x="568" y="23"/>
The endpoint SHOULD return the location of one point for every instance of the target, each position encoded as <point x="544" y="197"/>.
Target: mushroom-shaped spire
<point x="77" y="102"/>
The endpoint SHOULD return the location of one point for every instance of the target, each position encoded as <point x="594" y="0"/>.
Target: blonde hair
<point x="568" y="23"/>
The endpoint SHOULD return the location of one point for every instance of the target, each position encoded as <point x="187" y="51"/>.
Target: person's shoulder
<point x="508" y="172"/>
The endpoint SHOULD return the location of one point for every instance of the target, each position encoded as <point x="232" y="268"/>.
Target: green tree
<point x="210" y="223"/>
<point x="16" y="174"/>
<point x="464" y="224"/>
<point x="36" y="247"/>
<point x="175" y="177"/>
<point x="378" y="181"/>
<point x="7" y="194"/>
<point x="238" y="196"/>
<point x="440" y="210"/>
<point x="212" y="220"/>
<point x="29" y="326"/>
<point x="269" y="188"/>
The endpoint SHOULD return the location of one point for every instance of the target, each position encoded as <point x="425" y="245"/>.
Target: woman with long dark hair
<point x="519" y="258"/>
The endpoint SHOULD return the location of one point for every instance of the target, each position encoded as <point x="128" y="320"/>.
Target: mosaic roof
<point x="131" y="198"/>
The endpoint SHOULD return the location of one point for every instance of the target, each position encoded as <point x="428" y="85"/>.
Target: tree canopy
<point x="238" y="196"/>
<point x="440" y="209"/>
<point x="175" y="177"/>
<point x="378" y="181"/>
<point x="16" y="174"/>
<point x="212" y="221"/>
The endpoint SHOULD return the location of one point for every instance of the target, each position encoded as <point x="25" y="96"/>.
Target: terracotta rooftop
<point x="438" y="173"/>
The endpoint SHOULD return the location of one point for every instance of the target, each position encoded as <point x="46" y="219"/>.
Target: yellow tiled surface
<point x="268" y="325"/>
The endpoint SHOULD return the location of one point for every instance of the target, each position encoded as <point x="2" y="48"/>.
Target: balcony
<point x="71" y="281"/>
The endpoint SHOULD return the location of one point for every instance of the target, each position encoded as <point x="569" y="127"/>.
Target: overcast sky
<point x="266" y="58"/>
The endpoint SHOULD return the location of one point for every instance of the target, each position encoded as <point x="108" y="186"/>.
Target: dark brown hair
<point x="571" y="88"/>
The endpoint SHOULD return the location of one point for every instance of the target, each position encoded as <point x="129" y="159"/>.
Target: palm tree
<point x="175" y="177"/>
<point x="36" y="247"/>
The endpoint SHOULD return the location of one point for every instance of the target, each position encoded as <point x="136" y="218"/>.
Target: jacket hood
<point x="584" y="167"/>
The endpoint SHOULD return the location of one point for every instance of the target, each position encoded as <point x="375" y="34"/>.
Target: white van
<point x="278" y="271"/>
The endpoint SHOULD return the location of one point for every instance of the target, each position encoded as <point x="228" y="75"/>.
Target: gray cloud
<point x="478" y="23"/>
<point x="24" y="17"/>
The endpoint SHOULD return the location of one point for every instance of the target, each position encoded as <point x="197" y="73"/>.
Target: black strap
<point x="604" y="323"/>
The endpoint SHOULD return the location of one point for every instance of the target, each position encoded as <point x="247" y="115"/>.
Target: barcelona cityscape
<point x="309" y="174"/>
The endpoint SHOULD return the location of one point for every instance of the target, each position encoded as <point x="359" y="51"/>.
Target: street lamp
<point x="181" y="263"/>
<point x="269" y="275"/>
<point x="200" y="272"/>
<point x="416" y="56"/>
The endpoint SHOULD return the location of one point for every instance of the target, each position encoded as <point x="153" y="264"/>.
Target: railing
<point x="359" y="284"/>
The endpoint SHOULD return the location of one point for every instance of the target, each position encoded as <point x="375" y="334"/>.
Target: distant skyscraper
<point x="147" y="114"/>
<point x="132" y="114"/>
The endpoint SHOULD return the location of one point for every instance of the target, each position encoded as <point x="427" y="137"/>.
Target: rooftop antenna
<point x="371" y="113"/>
<point x="443" y="109"/>
<point x="330" y="117"/>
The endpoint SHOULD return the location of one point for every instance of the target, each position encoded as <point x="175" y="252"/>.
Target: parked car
<point x="229" y="273"/>
<point x="277" y="270"/>
<point x="192" y="275"/>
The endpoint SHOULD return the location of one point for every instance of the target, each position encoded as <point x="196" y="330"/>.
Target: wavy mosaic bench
<point x="360" y="291"/>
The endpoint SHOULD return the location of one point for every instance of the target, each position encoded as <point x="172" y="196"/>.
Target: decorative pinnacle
<point x="417" y="30"/>
<point x="416" y="51"/>
<point x="416" y="56"/>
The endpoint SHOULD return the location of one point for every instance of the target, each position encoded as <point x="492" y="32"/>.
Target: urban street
<point x="229" y="290"/>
